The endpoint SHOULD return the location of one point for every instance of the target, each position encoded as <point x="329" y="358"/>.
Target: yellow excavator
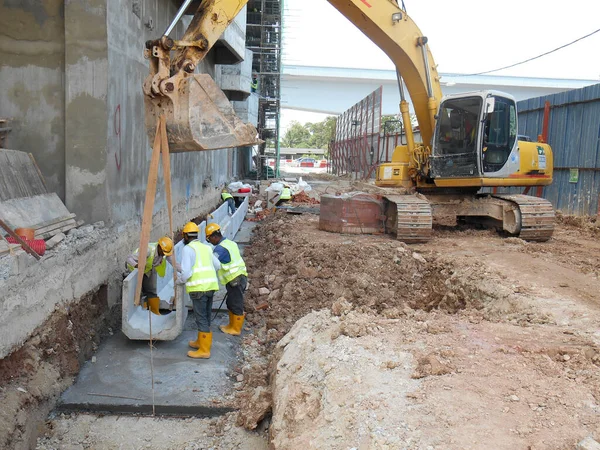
<point x="469" y="141"/>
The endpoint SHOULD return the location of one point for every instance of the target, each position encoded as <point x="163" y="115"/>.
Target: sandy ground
<point x="88" y="431"/>
<point x="471" y="341"/>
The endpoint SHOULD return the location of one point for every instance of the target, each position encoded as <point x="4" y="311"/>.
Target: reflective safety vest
<point x="204" y="276"/>
<point x="226" y="195"/>
<point x="286" y="194"/>
<point x="236" y="267"/>
<point x="161" y="269"/>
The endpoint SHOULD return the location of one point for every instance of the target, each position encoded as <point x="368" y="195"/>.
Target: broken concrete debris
<point x="263" y="291"/>
<point x="588" y="444"/>
<point x="53" y="241"/>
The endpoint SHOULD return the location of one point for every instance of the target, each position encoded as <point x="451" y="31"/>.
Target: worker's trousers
<point x="149" y="284"/>
<point x="231" y="204"/>
<point x="235" y="295"/>
<point x="202" y="303"/>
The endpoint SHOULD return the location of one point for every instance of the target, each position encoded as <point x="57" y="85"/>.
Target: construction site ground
<point x="471" y="341"/>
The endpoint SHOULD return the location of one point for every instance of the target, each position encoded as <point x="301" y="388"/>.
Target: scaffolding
<point x="263" y="37"/>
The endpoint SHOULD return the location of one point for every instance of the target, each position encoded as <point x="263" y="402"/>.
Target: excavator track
<point x="536" y="214"/>
<point x="412" y="218"/>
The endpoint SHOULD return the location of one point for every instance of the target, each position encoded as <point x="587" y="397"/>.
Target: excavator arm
<point x="394" y="32"/>
<point x="198" y="114"/>
<point x="196" y="110"/>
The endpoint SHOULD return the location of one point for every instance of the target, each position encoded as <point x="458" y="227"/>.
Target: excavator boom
<point x="394" y="32"/>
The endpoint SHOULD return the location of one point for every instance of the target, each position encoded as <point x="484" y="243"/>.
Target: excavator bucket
<point x="199" y="117"/>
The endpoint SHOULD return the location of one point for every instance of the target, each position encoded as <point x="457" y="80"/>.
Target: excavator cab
<point x="476" y="142"/>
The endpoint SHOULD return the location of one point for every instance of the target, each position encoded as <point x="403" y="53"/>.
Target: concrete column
<point x="86" y="85"/>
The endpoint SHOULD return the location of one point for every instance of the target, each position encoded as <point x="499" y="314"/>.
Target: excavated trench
<point x="33" y="376"/>
<point x="294" y="269"/>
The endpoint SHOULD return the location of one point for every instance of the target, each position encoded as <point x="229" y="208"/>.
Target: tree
<point x="321" y="133"/>
<point x="297" y="136"/>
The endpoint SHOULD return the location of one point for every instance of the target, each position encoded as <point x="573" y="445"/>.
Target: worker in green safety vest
<point x="232" y="274"/>
<point x="285" y="195"/>
<point x="156" y="263"/>
<point x="227" y="197"/>
<point x="199" y="274"/>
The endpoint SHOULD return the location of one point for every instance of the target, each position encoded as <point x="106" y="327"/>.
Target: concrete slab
<point x="119" y="380"/>
<point x="244" y="233"/>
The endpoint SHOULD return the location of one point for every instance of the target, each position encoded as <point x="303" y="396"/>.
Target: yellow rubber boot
<point x="203" y="351"/>
<point x="229" y="325"/>
<point x="196" y="343"/>
<point x="154" y="303"/>
<point x="235" y="325"/>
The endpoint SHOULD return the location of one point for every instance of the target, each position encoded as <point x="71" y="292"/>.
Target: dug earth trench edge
<point x="34" y="375"/>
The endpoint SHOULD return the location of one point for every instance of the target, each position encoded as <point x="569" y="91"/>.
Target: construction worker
<point x="227" y="197"/>
<point x="232" y="274"/>
<point x="198" y="273"/>
<point x="285" y="196"/>
<point x="155" y="264"/>
<point x="254" y="85"/>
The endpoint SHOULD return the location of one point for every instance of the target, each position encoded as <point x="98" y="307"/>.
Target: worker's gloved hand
<point x="178" y="267"/>
<point x="179" y="280"/>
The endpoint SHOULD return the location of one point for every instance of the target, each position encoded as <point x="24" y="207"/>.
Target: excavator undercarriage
<point x="411" y="217"/>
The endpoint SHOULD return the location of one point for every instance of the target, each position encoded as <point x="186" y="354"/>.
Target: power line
<point x="535" y="57"/>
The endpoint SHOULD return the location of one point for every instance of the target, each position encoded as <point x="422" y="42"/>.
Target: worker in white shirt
<point x="199" y="274"/>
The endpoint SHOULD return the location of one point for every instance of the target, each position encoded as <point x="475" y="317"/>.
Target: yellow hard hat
<point x="191" y="227"/>
<point x="166" y="244"/>
<point x="211" y="228"/>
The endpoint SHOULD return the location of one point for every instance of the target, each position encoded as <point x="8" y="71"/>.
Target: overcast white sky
<point x="465" y="36"/>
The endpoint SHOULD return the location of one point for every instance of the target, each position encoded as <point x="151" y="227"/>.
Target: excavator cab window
<point x="455" y="141"/>
<point x="500" y="134"/>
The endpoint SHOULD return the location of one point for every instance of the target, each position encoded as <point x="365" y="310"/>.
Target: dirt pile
<point x="295" y="268"/>
<point x="589" y="224"/>
<point x="431" y="380"/>
<point x="303" y="198"/>
<point x="33" y="376"/>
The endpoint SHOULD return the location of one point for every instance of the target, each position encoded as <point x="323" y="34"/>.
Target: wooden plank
<point x="39" y="226"/>
<point x="55" y="226"/>
<point x="26" y="247"/>
<point x="49" y="234"/>
<point x="148" y="208"/>
<point x="19" y="176"/>
<point x="6" y="247"/>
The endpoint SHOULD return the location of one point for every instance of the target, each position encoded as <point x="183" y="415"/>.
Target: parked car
<point x="305" y="162"/>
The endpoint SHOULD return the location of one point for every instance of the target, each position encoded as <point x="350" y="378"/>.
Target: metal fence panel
<point x="357" y="137"/>
<point x="574" y="135"/>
